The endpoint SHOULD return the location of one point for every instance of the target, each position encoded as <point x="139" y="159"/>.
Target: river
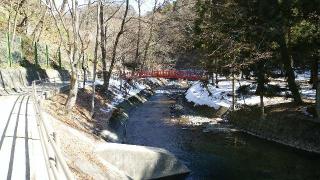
<point x="224" y="155"/>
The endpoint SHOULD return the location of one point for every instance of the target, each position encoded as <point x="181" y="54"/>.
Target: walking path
<point x="21" y="155"/>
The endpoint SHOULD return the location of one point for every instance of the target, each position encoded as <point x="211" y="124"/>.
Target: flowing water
<point x="227" y="155"/>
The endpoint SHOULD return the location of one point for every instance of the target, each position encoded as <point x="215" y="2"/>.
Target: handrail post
<point x="34" y="88"/>
<point x="57" y="142"/>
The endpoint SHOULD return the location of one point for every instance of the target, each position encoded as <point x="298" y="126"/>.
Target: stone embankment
<point x="19" y="79"/>
<point x="285" y="124"/>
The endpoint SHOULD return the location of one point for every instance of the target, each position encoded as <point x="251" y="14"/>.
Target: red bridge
<point x="169" y="74"/>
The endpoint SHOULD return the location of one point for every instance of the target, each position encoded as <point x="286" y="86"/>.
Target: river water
<point x="224" y="155"/>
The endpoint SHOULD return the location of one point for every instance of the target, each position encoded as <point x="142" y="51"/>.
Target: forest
<point x="248" y="38"/>
<point x="160" y="89"/>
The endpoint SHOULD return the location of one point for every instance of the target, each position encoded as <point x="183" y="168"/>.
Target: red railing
<point x="168" y="74"/>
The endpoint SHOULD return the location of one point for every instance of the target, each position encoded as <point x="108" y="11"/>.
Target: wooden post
<point x="47" y="56"/>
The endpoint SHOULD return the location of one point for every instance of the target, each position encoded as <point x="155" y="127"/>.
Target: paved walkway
<point x="21" y="155"/>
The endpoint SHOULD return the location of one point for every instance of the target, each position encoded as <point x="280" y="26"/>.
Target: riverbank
<point x="79" y="134"/>
<point x="167" y="121"/>
<point x="286" y="123"/>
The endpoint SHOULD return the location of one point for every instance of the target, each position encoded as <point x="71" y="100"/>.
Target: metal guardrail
<point x="55" y="162"/>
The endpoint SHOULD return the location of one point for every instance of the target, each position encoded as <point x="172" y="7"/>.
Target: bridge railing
<point x="55" y="162"/>
<point x="170" y="74"/>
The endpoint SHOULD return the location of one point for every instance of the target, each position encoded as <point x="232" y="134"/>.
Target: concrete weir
<point x="141" y="162"/>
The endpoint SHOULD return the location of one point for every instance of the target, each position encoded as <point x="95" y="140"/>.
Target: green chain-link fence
<point x="10" y="52"/>
<point x="14" y="51"/>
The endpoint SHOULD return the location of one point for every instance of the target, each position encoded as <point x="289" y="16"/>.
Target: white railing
<point x="55" y="162"/>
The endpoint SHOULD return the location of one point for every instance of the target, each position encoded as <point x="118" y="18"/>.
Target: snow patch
<point x="222" y="96"/>
<point x="198" y="120"/>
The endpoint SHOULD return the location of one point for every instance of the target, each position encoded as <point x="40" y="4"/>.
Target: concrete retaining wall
<point x="114" y="127"/>
<point x="59" y="76"/>
<point x="142" y="162"/>
<point x="18" y="79"/>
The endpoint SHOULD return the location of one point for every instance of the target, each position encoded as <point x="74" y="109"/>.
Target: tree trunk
<point x="15" y="19"/>
<point x="211" y="76"/>
<point x="217" y="81"/>
<point x="71" y="100"/>
<point x="286" y="60"/>
<point x="84" y="69"/>
<point x="39" y="24"/>
<point x="262" y="115"/>
<point x="63" y="6"/>
<point x="150" y="37"/>
<point x="233" y="92"/>
<point x="136" y="57"/>
<point x="318" y="94"/>
<point x="103" y="47"/>
<point x="146" y="50"/>
<point x="314" y="74"/>
<point x="260" y="89"/>
<point x="95" y="62"/>
<point x="72" y="97"/>
<point x="114" y="50"/>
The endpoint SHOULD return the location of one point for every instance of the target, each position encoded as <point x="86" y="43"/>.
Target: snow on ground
<point x="303" y="75"/>
<point x="222" y="96"/>
<point x="308" y="93"/>
<point x="127" y="90"/>
<point x="198" y="120"/>
<point x="130" y="89"/>
<point x="198" y="95"/>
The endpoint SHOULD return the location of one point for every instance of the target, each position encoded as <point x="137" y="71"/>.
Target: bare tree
<point x="146" y="49"/>
<point x="71" y="46"/>
<point x="95" y="61"/>
<point x="63" y="6"/>
<point x="136" y="57"/>
<point x="114" y="49"/>
<point x="39" y="25"/>
<point x="103" y="43"/>
<point x="71" y="100"/>
<point x="13" y="8"/>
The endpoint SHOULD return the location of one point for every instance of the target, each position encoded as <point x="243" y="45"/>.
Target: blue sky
<point x="146" y="6"/>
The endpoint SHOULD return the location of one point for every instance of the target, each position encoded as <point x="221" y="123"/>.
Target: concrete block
<point x="15" y="78"/>
<point x="23" y="77"/>
<point x="142" y="162"/>
<point x="6" y="78"/>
